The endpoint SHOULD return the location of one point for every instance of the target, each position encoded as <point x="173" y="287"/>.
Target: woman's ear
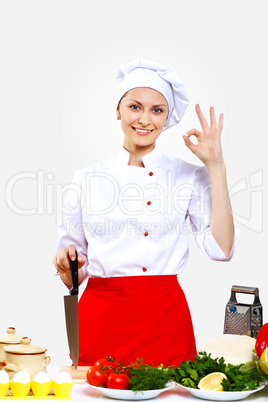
<point x="118" y="115"/>
<point x="166" y="121"/>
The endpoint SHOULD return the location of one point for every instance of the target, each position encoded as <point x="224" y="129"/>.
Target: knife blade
<point x="71" y="314"/>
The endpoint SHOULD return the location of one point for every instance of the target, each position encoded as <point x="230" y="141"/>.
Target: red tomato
<point x="117" y="381"/>
<point x="106" y="361"/>
<point x="125" y="370"/>
<point x="102" y="362"/>
<point x="95" y="376"/>
<point x="262" y="340"/>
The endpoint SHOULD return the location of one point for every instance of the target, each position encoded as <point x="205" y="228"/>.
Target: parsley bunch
<point x="189" y="373"/>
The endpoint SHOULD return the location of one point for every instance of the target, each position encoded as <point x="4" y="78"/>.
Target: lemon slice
<point x="212" y="382"/>
<point x="264" y="358"/>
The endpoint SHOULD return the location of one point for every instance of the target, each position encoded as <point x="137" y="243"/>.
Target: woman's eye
<point x="157" y="110"/>
<point x="134" y="107"/>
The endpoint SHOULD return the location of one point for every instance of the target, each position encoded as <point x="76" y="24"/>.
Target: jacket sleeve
<point x="70" y="230"/>
<point x="199" y="211"/>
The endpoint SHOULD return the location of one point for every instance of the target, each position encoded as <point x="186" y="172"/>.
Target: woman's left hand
<point x="208" y="149"/>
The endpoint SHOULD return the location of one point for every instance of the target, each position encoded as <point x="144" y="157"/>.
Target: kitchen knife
<point x="71" y="313"/>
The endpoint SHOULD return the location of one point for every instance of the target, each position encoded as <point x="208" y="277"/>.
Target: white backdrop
<point x="58" y="66"/>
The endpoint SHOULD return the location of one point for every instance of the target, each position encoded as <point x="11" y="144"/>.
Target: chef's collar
<point x="153" y="158"/>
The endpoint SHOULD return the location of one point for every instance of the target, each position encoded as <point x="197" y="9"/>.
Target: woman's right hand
<point x="62" y="259"/>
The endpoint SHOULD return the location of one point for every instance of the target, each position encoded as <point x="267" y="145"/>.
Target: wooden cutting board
<point x="78" y="375"/>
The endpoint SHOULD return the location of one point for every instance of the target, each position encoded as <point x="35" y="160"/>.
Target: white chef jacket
<point x="131" y="220"/>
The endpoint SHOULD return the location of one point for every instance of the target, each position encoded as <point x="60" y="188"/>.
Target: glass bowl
<point x="262" y="368"/>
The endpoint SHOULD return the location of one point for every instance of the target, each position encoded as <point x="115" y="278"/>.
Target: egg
<point x="41" y="377"/>
<point x="63" y="384"/>
<point x="4" y="382"/>
<point x="4" y="378"/>
<point x="41" y="384"/>
<point x="22" y="376"/>
<point x="63" y="377"/>
<point x="21" y="384"/>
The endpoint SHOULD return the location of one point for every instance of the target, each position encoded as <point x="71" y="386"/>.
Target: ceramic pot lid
<point x="10" y="336"/>
<point x="25" y="348"/>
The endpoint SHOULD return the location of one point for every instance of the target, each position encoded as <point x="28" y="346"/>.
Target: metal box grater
<point x="241" y="318"/>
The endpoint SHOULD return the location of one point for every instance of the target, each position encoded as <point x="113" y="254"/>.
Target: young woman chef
<point x="126" y="218"/>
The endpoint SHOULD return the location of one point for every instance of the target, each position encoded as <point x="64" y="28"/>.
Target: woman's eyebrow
<point x="134" y="100"/>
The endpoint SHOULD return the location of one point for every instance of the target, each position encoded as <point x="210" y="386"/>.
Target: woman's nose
<point x="144" y="119"/>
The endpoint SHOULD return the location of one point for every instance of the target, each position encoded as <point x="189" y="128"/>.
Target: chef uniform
<point x="131" y="223"/>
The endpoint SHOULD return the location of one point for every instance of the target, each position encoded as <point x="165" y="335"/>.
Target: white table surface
<point x="83" y="393"/>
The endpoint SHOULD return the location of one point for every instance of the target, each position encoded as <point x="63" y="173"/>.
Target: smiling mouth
<point x="142" y="131"/>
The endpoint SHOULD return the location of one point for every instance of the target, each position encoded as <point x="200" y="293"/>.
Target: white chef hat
<point x="146" y="73"/>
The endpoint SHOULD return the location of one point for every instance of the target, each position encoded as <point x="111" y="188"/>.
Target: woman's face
<point x="143" y="113"/>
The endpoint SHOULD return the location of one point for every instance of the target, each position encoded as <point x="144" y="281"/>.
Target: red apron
<point x="135" y="317"/>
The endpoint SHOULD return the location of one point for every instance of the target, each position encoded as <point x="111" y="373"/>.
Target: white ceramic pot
<point x="7" y="340"/>
<point x="25" y="357"/>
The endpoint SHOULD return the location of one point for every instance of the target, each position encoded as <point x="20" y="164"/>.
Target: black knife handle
<point x="74" y="276"/>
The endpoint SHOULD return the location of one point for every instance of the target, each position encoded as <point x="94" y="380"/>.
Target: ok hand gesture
<point x="208" y="149"/>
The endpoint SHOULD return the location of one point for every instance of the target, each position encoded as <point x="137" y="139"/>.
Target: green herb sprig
<point x="143" y="377"/>
<point x="189" y="373"/>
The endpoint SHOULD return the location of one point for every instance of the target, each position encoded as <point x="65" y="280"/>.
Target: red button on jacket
<point x="144" y="269"/>
<point x="151" y="173"/>
<point x="146" y="234"/>
<point x="149" y="203"/>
